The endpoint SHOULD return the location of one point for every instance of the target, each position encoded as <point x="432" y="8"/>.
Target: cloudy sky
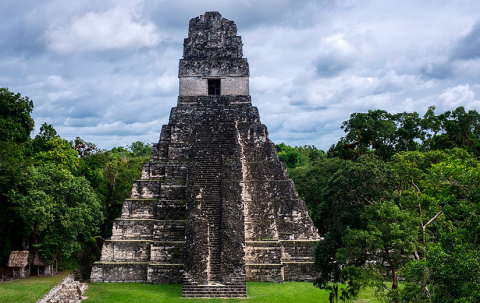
<point x="106" y="71"/>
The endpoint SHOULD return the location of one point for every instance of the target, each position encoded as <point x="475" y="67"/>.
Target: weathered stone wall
<point x="298" y="250"/>
<point x="265" y="273"/>
<point x="124" y="229"/>
<point x="146" y="188"/>
<point x="171" y="209"/>
<point x="197" y="86"/>
<point x="169" y="230"/>
<point x="139" y="208"/>
<point x="167" y="252"/>
<point x="235" y="86"/>
<point x="296" y="257"/>
<point x="124" y="251"/>
<point x="172" y="191"/>
<point x="218" y="67"/>
<point x="263" y="252"/>
<point x="165" y="273"/>
<point x="211" y="36"/>
<point x="119" y="272"/>
<point x="299" y="271"/>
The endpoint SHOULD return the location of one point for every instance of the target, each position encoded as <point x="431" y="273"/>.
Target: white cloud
<point x="460" y="95"/>
<point x="336" y="54"/>
<point x="117" y="28"/>
<point x="267" y="85"/>
<point x="117" y="79"/>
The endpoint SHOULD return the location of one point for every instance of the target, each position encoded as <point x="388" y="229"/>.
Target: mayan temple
<point x="215" y="207"/>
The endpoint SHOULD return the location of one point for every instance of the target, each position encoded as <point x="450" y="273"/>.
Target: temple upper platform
<point x="213" y="63"/>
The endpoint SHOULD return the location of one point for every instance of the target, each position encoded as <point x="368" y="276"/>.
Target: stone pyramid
<point x="215" y="207"/>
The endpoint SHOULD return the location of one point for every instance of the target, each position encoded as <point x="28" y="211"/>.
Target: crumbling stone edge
<point x="67" y="291"/>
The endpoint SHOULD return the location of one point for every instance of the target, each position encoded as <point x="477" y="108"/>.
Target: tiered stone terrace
<point x="215" y="207"/>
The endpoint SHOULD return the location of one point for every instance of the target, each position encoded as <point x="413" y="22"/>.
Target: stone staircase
<point x="215" y="141"/>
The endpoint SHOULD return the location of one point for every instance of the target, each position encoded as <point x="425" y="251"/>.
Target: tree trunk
<point x="394" y="278"/>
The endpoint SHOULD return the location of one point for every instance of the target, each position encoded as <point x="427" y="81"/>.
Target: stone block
<point x="119" y="272"/>
<point x="264" y="273"/>
<point x="172" y="191"/>
<point x="164" y="273"/>
<point x="169" y="230"/>
<point x="300" y="271"/>
<point x="170" y="210"/>
<point x="265" y="171"/>
<point x="146" y="189"/>
<point x="263" y="252"/>
<point x="167" y="252"/>
<point x="298" y="250"/>
<point x="126" y="250"/>
<point x="132" y="229"/>
<point x="224" y="67"/>
<point x="139" y="208"/>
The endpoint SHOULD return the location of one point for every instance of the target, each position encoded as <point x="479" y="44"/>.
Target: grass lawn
<point x="28" y="290"/>
<point x="257" y="292"/>
<point x="34" y="288"/>
<point x="365" y="296"/>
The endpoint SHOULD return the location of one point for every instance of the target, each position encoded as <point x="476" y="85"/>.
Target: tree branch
<point x="432" y="219"/>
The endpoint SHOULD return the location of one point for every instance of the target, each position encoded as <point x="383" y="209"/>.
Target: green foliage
<point x="15" y="120"/>
<point x="59" y="211"/>
<point x="449" y="273"/>
<point x="46" y="134"/>
<point x="55" y="193"/>
<point x="311" y="183"/>
<point x="15" y="127"/>
<point x="411" y="211"/>
<point x="450" y="270"/>
<point x="111" y="174"/>
<point x="299" y="156"/>
<point x="291" y="156"/>
<point x="347" y="193"/>
<point x="385" y="134"/>
<point x="410" y="217"/>
<point x="84" y="148"/>
<point x="58" y="151"/>
<point x="141" y="149"/>
<point x="47" y="147"/>
<point x="456" y="128"/>
<point x="378" y="131"/>
<point x="387" y="243"/>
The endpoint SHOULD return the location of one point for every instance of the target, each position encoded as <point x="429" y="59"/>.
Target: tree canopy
<point x="386" y="134"/>
<point x="396" y="201"/>
<point x="59" y="211"/>
<point x="16" y="124"/>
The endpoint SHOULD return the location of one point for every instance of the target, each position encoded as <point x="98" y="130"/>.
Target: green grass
<point x="257" y="292"/>
<point x="28" y="290"/>
<point x="34" y="288"/>
<point x="365" y="296"/>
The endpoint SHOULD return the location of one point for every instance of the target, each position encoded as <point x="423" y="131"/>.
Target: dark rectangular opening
<point x="214" y="87"/>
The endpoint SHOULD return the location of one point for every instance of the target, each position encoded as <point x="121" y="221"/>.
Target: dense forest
<point x="397" y="200"/>
<point x="56" y="195"/>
